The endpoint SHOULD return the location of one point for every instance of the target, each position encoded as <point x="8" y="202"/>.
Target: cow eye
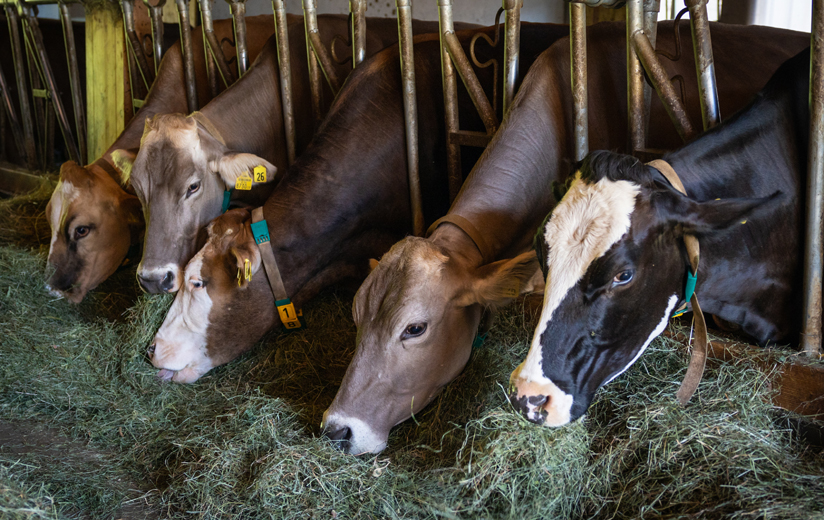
<point x="414" y="330"/>
<point x="193" y="187"/>
<point x="622" y="278"/>
<point x="81" y="231"/>
<point x="197" y="284"/>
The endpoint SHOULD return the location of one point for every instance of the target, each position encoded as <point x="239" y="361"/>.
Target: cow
<point x="419" y="309"/>
<point x="183" y="168"/>
<point x="616" y="261"/>
<point x="94" y="219"/>
<point x="345" y="200"/>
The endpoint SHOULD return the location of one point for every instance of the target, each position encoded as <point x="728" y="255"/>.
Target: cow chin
<point x="540" y="401"/>
<point x="352" y="435"/>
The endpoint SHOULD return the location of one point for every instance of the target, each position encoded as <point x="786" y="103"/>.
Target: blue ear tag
<point x="479" y="340"/>
<point x="689" y="290"/>
<point x="260" y="231"/>
<point x="227" y="194"/>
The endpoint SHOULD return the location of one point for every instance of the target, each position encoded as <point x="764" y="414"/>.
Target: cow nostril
<point x="168" y="281"/>
<point x="341" y="436"/>
<point x="150" y="351"/>
<point x="538" y="400"/>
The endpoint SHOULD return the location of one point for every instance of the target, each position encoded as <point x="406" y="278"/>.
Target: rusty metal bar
<point x="74" y="81"/>
<point x="357" y="8"/>
<point x="51" y="85"/>
<point x="473" y="86"/>
<point x="635" y="78"/>
<point x="282" y="32"/>
<point x="704" y="65"/>
<point x="206" y="27"/>
<point x="156" y="15"/>
<point x="666" y="91"/>
<point x="323" y="61"/>
<point x="327" y="66"/>
<point x="512" y="44"/>
<point x="212" y="48"/>
<point x="20" y="76"/>
<point x="578" y="51"/>
<point x="239" y="17"/>
<point x="450" y="100"/>
<point x="14" y="123"/>
<point x="310" y="21"/>
<point x="188" y="53"/>
<point x="651" y="8"/>
<point x="410" y="112"/>
<point x="811" y="332"/>
<point x="146" y="73"/>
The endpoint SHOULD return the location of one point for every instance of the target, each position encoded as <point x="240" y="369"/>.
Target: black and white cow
<point x="616" y="264"/>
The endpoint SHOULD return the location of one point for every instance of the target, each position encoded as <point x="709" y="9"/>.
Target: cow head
<point x="616" y="267"/>
<point x="218" y="313"/>
<point x="93" y="223"/>
<point x="180" y="175"/>
<point x="417" y="314"/>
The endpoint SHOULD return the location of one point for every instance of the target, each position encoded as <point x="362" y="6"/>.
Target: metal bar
<point x="137" y="48"/>
<point x="310" y="21"/>
<point x="704" y="65"/>
<point x="14" y="123"/>
<point x="74" y="81"/>
<point x="282" y="32"/>
<point x="512" y="44"/>
<point x="51" y="84"/>
<point x="20" y="75"/>
<point x="450" y="101"/>
<point x="212" y="48"/>
<point x="811" y="333"/>
<point x="470" y="138"/>
<point x="327" y="66"/>
<point x="410" y="112"/>
<point x="206" y="27"/>
<point x="239" y="16"/>
<point x="156" y="15"/>
<point x="651" y="8"/>
<point x="635" y="78"/>
<point x="188" y="53"/>
<point x="666" y="91"/>
<point x="470" y="80"/>
<point x="578" y="51"/>
<point x="357" y="8"/>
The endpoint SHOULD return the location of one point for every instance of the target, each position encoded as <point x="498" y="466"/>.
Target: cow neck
<point x="469" y="229"/>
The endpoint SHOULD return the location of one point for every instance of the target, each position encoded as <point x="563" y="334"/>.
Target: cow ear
<point x="123" y="161"/>
<point x="132" y="209"/>
<point x="500" y="282"/>
<point x="248" y="262"/>
<point x="713" y="216"/>
<point x="232" y="165"/>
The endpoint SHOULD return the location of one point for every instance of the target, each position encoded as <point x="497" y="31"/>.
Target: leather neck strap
<point x="471" y="231"/>
<point x="208" y="126"/>
<point x="699" y="352"/>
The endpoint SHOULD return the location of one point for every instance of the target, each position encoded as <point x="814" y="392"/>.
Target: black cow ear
<point x="704" y="218"/>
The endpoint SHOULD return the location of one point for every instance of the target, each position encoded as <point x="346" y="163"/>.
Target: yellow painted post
<point x="105" y="89"/>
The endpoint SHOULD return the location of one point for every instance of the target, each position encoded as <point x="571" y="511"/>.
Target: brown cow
<point x="93" y="219"/>
<point x="419" y="309"/>
<point x="343" y="201"/>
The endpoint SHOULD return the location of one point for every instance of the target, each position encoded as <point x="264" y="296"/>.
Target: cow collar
<point x="699" y="352"/>
<point x="291" y="319"/>
<point x="470" y="230"/>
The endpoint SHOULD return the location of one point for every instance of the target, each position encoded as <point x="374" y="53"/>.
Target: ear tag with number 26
<point x="260" y="173"/>
<point x="244" y="182"/>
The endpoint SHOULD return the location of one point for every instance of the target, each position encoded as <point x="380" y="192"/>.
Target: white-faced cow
<point x="616" y="262"/>
<point x="418" y="311"/>
<point x="345" y="200"/>
<point x="185" y="164"/>
<point x="94" y="219"/>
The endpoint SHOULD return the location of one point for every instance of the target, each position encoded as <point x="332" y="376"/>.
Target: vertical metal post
<point x="578" y="50"/>
<point x="206" y="27"/>
<point x="651" y="8"/>
<point x="188" y="53"/>
<point x="239" y="17"/>
<point x="211" y="46"/>
<point x="512" y="44"/>
<point x="74" y="81"/>
<point x="357" y="8"/>
<point x="310" y="21"/>
<point x="14" y="123"/>
<point x="156" y="14"/>
<point x="811" y="333"/>
<point x="635" y="78"/>
<point x="22" y="89"/>
<point x="704" y="65"/>
<point x="134" y="42"/>
<point x="410" y="112"/>
<point x="284" y="65"/>
<point x="450" y="100"/>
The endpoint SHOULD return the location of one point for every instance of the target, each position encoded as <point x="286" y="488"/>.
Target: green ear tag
<point x="689" y="290"/>
<point x="227" y="194"/>
<point x="479" y="340"/>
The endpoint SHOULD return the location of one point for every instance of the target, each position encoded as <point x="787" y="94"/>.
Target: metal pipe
<point x="470" y="80"/>
<point x="137" y="48"/>
<point x="282" y="32"/>
<point x="206" y="26"/>
<point x="74" y="81"/>
<point x="239" y="18"/>
<point x="578" y="51"/>
<point x="212" y="46"/>
<point x="635" y="79"/>
<point x="188" y="53"/>
<point x="811" y="332"/>
<point x="666" y="91"/>
<point x="156" y="15"/>
<point x="512" y="44"/>
<point x="310" y="22"/>
<point x="410" y="112"/>
<point x="651" y="8"/>
<point x="16" y="130"/>
<point x="326" y="64"/>
<point x="20" y="75"/>
<point x="704" y="65"/>
<point x="450" y="101"/>
<point x="51" y="84"/>
<point x="357" y="8"/>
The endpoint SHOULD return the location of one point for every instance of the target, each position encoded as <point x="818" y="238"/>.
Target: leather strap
<point x="471" y="231"/>
<point x="208" y="126"/>
<point x="698" y="359"/>
<point x="270" y="265"/>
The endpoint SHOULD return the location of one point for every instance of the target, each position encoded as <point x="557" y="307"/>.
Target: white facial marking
<point x="363" y="440"/>
<point x="65" y="193"/>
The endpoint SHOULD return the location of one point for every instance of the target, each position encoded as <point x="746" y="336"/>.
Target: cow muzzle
<point x="157" y="281"/>
<point x="352" y="435"/>
<point x="540" y="402"/>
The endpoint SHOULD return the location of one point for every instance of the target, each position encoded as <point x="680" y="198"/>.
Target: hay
<point x="243" y="442"/>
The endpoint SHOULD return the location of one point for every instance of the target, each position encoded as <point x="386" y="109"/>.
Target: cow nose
<point x="148" y="285"/>
<point x="168" y="281"/>
<point x="341" y="436"/>
<point x="151" y="350"/>
<point x="530" y="406"/>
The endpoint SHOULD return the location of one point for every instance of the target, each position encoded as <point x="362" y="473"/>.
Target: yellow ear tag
<point x="513" y="290"/>
<point x="247" y="270"/>
<point x="239" y="279"/>
<point x="244" y="182"/>
<point x="260" y="173"/>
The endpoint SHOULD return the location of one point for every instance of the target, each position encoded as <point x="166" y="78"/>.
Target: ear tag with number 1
<point x="247" y="270"/>
<point x="244" y="182"/>
<point x="260" y="173"/>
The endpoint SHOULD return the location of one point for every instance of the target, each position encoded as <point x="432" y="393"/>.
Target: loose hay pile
<point x="243" y="441"/>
